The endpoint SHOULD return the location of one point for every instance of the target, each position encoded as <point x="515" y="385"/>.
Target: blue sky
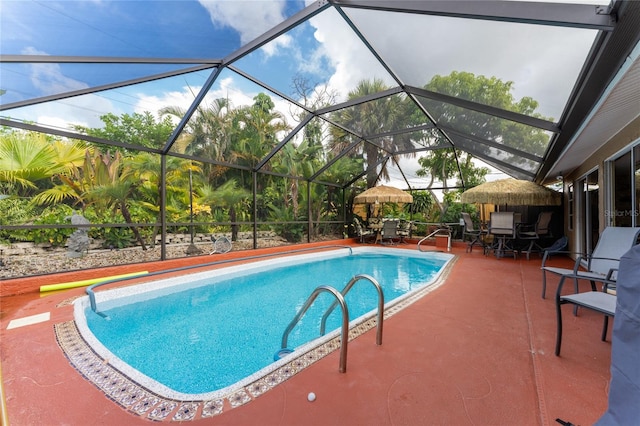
<point x="543" y="62"/>
<point x="148" y="29"/>
<point x="115" y="28"/>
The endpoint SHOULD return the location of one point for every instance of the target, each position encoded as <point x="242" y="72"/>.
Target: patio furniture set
<point x="505" y="233"/>
<point x="602" y="266"/>
<point x="615" y="263"/>
<point x="385" y="231"/>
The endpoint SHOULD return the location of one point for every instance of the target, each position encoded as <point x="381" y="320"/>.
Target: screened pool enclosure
<point x="164" y="124"/>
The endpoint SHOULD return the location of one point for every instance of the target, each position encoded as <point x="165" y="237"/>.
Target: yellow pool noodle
<point x="73" y="284"/>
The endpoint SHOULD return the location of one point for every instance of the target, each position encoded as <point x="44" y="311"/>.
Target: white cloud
<point x="249" y="18"/>
<point x="154" y="103"/>
<point x="82" y="110"/>
<point x="226" y="88"/>
<point x="346" y="52"/>
<point x="48" y="78"/>
<point x="542" y="61"/>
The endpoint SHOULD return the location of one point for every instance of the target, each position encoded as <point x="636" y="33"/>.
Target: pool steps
<point x="283" y="351"/>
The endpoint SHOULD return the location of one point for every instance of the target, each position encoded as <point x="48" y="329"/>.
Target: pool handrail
<point x="443" y="227"/>
<point x="344" y="292"/>
<point x="345" y="322"/>
<point x="91" y="293"/>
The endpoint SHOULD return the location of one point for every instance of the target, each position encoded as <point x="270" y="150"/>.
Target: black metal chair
<point x="361" y="233"/>
<point x="474" y="235"/>
<point x="602" y="301"/>
<point x="534" y="233"/>
<point x="404" y="229"/>
<point x="390" y="232"/>
<point x="612" y="244"/>
<point x="502" y="226"/>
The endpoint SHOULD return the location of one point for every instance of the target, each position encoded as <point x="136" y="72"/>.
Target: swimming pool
<point x="228" y="311"/>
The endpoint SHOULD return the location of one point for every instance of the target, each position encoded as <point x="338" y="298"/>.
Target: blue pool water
<point x="221" y="329"/>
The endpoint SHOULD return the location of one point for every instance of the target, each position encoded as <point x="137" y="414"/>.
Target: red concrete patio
<point x="477" y="350"/>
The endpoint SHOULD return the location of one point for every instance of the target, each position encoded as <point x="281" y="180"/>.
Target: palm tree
<point x="28" y="158"/>
<point x="228" y="195"/>
<point x="255" y="130"/>
<point x="302" y="160"/>
<point x="147" y="170"/>
<point x="115" y="184"/>
<point x="207" y="132"/>
<point x="372" y="118"/>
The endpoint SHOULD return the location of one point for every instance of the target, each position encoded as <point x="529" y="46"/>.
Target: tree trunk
<point x="372" y="158"/>
<point x="134" y="229"/>
<point x="234" y="226"/>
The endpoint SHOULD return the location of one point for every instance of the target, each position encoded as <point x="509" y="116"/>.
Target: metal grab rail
<point x="344" y="292"/>
<point x="345" y="322"/>
<point x="444" y="228"/>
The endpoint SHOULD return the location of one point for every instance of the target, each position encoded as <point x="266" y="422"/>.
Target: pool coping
<point x="138" y="399"/>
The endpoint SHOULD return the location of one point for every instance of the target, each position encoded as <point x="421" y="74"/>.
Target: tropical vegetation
<point x="233" y="166"/>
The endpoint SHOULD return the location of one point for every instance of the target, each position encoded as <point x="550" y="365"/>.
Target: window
<point x="622" y="212"/>
<point x="625" y="189"/>
<point x="570" y="207"/>
<point x="589" y="224"/>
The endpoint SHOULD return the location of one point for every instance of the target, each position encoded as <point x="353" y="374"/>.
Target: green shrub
<point x="15" y="211"/>
<point x="118" y="238"/>
<point x="292" y="232"/>
<point x="53" y="215"/>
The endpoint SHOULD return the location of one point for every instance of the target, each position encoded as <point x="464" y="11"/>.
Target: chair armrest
<point x="609" y="281"/>
<point x="589" y="258"/>
<point x="605" y="278"/>
<point x="576" y="265"/>
<point x="525" y="227"/>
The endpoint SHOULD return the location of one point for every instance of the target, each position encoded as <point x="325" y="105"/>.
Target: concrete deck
<point x="477" y="350"/>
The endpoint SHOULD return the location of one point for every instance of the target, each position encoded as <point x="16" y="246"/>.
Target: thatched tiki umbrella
<point x="383" y="194"/>
<point x="512" y="192"/>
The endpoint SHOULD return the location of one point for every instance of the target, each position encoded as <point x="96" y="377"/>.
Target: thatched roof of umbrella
<point x="383" y="194"/>
<point x="512" y="192"/>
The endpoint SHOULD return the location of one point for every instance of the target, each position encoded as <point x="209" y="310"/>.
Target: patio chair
<point x="605" y="303"/>
<point x="375" y="225"/>
<point x="474" y="235"/>
<point x="557" y="247"/>
<point x="601" y="265"/>
<point x="502" y="226"/>
<point x="363" y="234"/>
<point x="404" y="229"/>
<point x="599" y="301"/>
<point x="534" y="233"/>
<point x="390" y="232"/>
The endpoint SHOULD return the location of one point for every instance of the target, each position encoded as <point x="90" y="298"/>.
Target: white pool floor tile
<point x="33" y="319"/>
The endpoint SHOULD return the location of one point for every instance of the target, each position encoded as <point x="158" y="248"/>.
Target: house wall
<point x="624" y="139"/>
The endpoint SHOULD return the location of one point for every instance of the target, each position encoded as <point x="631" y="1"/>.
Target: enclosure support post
<point x="163" y="208"/>
<point x="255" y="209"/>
<point x="310" y="215"/>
